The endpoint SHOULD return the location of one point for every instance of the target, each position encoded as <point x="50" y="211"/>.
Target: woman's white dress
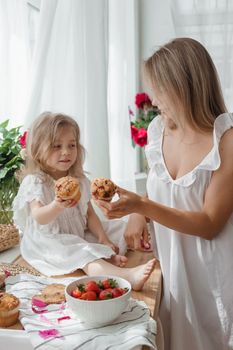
<point x="197" y="305"/>
<point x="65" y="244"/>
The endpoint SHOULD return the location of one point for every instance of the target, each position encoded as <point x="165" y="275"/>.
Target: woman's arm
<point x="207" y="223"/>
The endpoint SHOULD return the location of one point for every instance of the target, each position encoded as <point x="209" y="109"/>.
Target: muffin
<point x="9" y="309"/>
<point x="68" y="188"/>
<point x="102" y="188"/>
<point x="52" y="294"/>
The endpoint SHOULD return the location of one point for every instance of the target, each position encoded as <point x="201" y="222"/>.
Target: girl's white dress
<point x="197" y="305"/>
<point x="65" y="244"/>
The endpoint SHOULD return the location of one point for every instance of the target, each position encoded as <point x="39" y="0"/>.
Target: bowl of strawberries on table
<point x="98" y="300"/>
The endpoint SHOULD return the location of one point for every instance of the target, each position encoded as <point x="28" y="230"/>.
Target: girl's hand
<point x="110" y="244"/>
<point x="69" y="203"/>
<point x="136" y="233"/>
<point x="127" y="204"/>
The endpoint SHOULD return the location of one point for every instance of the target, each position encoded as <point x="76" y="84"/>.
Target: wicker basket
<point x="9" y="236"/>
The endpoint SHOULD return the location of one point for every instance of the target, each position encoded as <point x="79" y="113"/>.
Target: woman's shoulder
<point x="223" y="125"/>
<point x="226" y="143"/>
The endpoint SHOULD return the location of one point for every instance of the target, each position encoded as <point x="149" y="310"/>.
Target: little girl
<point x="62" y="236"/>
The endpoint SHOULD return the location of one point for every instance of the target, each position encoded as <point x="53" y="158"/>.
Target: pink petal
<point x="38" y="311"/>
<point x="63" y="318"/>
<point x="38" y="303"/>
<point x="62" y="306"/>
<point x="49" y="333"/>
<point x="7" y="273"/>
<point x="45" y="319"/>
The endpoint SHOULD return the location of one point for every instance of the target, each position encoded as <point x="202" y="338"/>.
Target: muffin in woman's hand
<point x="9" y="309"/>
<point x="102" y="188"/>
<point x="68" y="188"/>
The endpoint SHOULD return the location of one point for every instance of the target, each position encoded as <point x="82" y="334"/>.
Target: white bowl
<point x="98" y="312"/>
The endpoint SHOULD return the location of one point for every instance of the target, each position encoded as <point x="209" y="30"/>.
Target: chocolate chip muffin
<point x="9" y="309"/>
<point x="102" y="188"/>
<point x="68" y="188"/>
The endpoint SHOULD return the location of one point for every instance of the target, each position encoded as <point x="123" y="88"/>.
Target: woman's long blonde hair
<point x="40" y="140"/>
<point x="185" y="71"/>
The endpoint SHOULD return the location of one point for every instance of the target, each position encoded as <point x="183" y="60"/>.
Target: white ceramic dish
<point x="98" y="312"/>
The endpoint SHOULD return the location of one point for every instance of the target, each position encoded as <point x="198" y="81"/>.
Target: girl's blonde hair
<point x="41" y="138"/>
<point x="185" y="71"/>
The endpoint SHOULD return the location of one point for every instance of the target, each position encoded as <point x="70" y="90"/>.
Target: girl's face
<point x="63" y="153"/>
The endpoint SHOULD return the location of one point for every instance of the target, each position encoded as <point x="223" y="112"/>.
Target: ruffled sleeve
<point x="30" y="189"/>
<point x="153" y="149"/>
<point x="85" y="195"/>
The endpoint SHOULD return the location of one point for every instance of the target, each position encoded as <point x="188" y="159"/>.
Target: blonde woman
<point x="62" y="236"/>
<point x="190" y="197"/>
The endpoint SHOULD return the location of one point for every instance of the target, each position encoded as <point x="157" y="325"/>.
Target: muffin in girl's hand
<point x="9" y="309"/>
<point x="102" y="188"/>
<point x="68" y="188"/>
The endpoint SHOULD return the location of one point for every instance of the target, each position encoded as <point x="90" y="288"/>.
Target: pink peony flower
<point x="134" y="131"/>
<point x="142" y="99"/>
<point x="22" y="139"/>
<point x="141" y="137"/>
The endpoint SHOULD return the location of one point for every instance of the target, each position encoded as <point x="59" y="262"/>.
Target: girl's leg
<point x="137" y="276"/>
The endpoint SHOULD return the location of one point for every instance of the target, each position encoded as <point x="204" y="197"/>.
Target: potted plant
<point x="11" y="144"/>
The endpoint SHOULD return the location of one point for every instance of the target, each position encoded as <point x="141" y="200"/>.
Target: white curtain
<point x="84" y="63"/>
<point x="210" y="22"/>
<point x="15" y="58"/>
<point x="70" y="72"/>
<point x="122" y="87"/>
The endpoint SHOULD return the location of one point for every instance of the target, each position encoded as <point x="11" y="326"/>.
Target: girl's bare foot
<point x="118" y="260"/>
<point x="140" y="274"/>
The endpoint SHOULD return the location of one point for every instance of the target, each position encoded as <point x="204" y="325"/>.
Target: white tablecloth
<point x="57" y="328"/>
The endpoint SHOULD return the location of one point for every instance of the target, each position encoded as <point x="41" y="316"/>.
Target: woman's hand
<point x="136" y="233"/>
<point x="128" y="203"/>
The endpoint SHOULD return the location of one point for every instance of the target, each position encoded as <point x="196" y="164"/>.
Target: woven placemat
<point x="15" y="269"/>
<point x="10" y="269"/>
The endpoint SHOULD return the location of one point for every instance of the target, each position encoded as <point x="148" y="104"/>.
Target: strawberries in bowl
<point x="89" y="296"/>
<point x="98" y="290"/>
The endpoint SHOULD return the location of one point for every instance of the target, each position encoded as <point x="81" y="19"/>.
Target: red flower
<point x="134" y="131"/>
<point x="22" y="139"/>
<point x="141" y="99"/>
<point x="140" y="138"/>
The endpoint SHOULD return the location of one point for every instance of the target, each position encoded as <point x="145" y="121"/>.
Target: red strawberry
<point x="76" y="293"/>
<point x="89" y="296"/>
<point x="117" y="292"/>
<point x="105" y="294"/>
<point x="92" y="286"/>
<point x="124" y="290"/>
<point x="109" y="283"/>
